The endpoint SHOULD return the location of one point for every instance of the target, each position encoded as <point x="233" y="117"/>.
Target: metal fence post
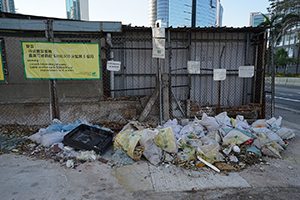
<point x="160" y="88"/>
<point x="170" y="75"/>
<point x="219" y="83"/>
<point x="54" y="107"/>
<point x="245" y="81"/>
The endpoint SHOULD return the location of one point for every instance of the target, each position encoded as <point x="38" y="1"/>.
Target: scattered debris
<point x="221" y="143"/>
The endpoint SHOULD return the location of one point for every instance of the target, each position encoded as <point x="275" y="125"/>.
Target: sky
<point x="135" y="12"/>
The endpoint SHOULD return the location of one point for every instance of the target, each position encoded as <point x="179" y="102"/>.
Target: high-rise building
<point x="77" y="9"/>
<point x="7" y="6"/>
<point x="178" y="13"/>
<point x="290" y="39"/>
<point x="256" y="18"/>
<point x="219" y="14"/>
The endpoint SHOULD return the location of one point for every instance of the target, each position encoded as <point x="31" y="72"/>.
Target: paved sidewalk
<point x="26" y="178"/>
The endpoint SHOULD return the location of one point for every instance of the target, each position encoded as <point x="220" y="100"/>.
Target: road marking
<point x="287" y="99"/>
<point x="289" y="109"/>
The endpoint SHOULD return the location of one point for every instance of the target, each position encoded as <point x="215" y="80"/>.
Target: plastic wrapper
<point x="87" y="155"/>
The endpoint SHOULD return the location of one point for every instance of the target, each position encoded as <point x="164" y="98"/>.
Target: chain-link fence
<point x="147" y="89"/>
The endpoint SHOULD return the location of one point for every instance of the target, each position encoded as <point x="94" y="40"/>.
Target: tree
<point x="290" y="11"/>
<point x="283" y="5"/>
<point x="282" y="59"/>
<point x="274" y="29"/>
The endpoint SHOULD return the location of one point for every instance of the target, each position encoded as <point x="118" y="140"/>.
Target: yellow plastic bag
<point x="165" y="139"/>
<point x="128" y="141"/>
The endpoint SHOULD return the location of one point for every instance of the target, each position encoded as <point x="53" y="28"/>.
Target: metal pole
<point x="189" y="58"/>
<point x="247" y="63"/>
<point x="170" y="75"/>
<point x="54" y="107"/>
<point x="219" y="97"/>
<point x="194" y="5"/>
<point x="273" y="82"/>
<point x="160" y="95"/>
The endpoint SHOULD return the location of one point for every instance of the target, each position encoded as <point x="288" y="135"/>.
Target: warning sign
<point x="59" y="60"/>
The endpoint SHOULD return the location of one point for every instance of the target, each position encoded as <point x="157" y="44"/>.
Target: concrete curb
<point x="294" y="81"/>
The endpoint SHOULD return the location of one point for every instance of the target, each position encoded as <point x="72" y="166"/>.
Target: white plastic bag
<point x="209" y="123"/>
<point x="270" y="135"/>
<point x="240" y="123"/>
<point x="175" y="126"/>
<point x="50" y="138"/>
<point x="284" y="133"/>
<point x="266" y="146"/>
<point x="190" y="129"/>
<point x="260" y="123"/>
<point x="152" y="152"/>
<point x="37" y="137"/>
<point x="223" y="119"/>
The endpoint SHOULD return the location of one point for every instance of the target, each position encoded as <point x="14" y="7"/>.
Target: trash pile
<point x="46" y="143"/>
<point x="219" y="142"/>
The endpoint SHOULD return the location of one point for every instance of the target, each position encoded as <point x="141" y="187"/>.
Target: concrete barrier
<point x="295" y="81"/>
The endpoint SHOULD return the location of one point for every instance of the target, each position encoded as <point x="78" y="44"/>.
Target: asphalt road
<point x="287" y="102"/>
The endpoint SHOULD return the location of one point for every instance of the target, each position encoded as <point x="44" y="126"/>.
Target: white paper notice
<point x="246" y="71"/>
<point x="113" y="65"/>
<point x="219" y="74"/>
<point x="194" y="67"/>
<point x="158" y="32"/>
<point x="158" y="48"/>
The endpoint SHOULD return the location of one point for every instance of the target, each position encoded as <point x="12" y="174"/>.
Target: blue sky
<point x="236" y="12"/>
